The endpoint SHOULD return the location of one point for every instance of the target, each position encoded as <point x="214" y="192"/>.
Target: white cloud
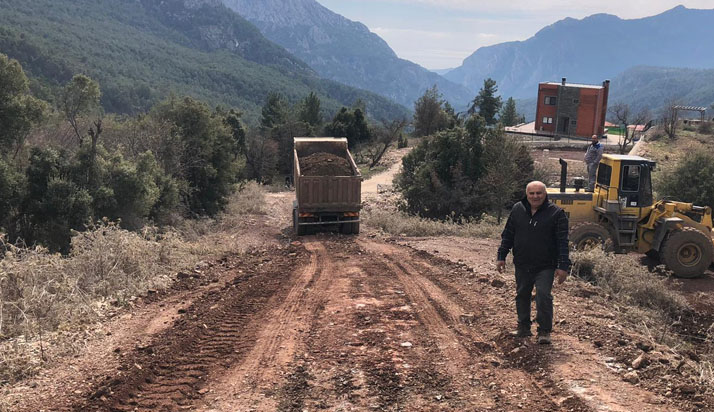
<point x="625" y="9"/>
<point x="386" y="31"/>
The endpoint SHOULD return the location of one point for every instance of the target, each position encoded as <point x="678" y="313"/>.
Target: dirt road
<point x="345" y="323"/>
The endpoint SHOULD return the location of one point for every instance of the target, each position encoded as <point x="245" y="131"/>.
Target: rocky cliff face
<point x="344" y="50"/>
<point x="591" y="50"/>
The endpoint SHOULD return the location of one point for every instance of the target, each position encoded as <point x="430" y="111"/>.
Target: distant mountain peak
<point x="343" y="50"/>
<point x="591" y="49"/>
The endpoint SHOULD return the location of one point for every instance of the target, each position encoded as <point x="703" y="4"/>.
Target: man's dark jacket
<point x="539" y="241"/>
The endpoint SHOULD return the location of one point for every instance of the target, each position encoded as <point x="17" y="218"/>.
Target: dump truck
<point x="328" y="185"/>
<point x="621" y="216"/>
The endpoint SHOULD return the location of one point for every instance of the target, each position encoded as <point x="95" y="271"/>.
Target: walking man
<point x="592" y="159"/>
<point x="537" y="231"/>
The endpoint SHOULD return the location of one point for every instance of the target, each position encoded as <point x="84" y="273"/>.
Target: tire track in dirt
<point x="353" y="356"/>
<point x="558" y="370"/>
<point x="215" y="332"/>
<point x="441" y="315"/>
<point x="252" y="383"/>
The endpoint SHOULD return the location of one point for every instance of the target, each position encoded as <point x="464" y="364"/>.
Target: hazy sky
<point x="439" y="34"/>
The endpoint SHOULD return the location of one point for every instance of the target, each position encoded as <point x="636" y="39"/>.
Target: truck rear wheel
<point x="349" y="228"/>
<point x="687" y="252"/>
<point x="299" y="230"/>
<point x="587" y="235"/>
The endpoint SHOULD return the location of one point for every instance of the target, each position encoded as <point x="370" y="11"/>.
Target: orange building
<point x="570" y="109"/>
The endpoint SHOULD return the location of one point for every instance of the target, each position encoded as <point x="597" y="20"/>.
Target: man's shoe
<point x="544" y="338"/>
<point x="522" y="333"/>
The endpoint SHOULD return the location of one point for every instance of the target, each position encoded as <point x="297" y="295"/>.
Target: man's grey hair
<point x="536" y="183"/>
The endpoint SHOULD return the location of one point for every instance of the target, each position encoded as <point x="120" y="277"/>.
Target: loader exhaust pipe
<point x="563" y="173"/>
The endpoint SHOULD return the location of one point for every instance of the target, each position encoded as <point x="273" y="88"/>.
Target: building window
<point x="550" y="100"/>
<point x="576" y="101"/>
<point x="547" y="120"/>
<point x="573" y="122"/>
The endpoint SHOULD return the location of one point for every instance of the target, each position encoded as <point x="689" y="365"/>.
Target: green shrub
<point x="208" y="166"/>
<point x="439" y="175"/>
<point x="11" y="192"/>
<point x="464" y="172"/>
<point x="54" y="204"/>
<point x="350" y="123"/>
<point x="691" y="180"/>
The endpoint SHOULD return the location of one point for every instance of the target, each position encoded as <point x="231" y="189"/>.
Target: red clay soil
<point x="359" y="323"/>
<point x="325" y="164"/>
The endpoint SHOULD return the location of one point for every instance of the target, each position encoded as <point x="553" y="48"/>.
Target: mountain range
<point x="143" y="50"/>
<point x="591" y="50"/>
<point x="235" y="52"/>
<point x="345" y="51"/>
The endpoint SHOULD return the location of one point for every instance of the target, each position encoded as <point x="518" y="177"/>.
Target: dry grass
<point x="629" y="282"/>
<point x="49" y="304"/>
<point x="43" y="294"/>
<point x="401" y="224"/>
<point x="647" y="303"/>
<point x="249" y="200"/>
<point x="211" y="236"/>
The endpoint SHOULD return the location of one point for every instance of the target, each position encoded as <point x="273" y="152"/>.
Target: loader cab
<point x="624" y="184"/>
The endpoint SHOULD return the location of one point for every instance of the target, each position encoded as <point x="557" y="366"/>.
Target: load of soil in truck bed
<point x="325" y="164"/>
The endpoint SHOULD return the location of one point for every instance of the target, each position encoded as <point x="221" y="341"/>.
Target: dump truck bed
<point x="326" y="193"/>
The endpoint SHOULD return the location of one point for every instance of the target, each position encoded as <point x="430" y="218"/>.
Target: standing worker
<point x="592" y="160"/>
<point x="537" y="231"/>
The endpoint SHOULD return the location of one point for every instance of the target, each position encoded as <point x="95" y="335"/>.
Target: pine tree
<point x="509" y="116"/>
<point x="429" y="116"/>
<point x="487" y="103"/>
<point x="274" y="111"/>
<point x="310" y="110"/>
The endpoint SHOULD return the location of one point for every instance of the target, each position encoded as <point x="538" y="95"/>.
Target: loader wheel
<point x="588" y="235"/>
<point x="355" y="228"/>
<point x="687" y="252"/>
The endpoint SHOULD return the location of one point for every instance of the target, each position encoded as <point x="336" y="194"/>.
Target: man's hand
<point x="560" y="274"/>
<point x="500" y="265"/>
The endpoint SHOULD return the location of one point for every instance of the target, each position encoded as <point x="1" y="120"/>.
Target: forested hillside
<point x="654" y="88"/>
<point x="141" y="51"/>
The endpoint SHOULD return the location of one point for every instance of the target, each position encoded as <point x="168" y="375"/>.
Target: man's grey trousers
<point x="542" y="280"/>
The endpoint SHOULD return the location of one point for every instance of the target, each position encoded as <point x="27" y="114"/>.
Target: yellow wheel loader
<point x="621" y="216"/>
